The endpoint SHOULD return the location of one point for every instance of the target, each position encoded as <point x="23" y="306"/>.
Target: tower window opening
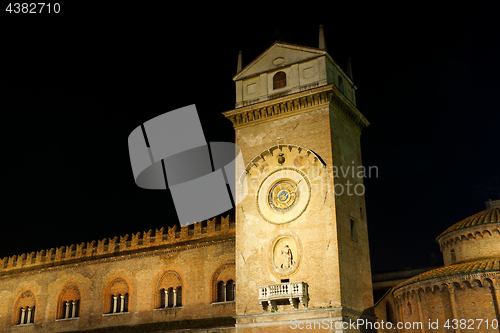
<point x="354" y="234"/>
<point x="453" y="256"/>
<point x="341" y="84"/>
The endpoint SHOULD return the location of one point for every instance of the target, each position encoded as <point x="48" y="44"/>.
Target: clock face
<point x="283" y="195"/>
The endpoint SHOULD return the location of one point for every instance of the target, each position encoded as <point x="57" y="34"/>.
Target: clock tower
<point x="302" y="256"/>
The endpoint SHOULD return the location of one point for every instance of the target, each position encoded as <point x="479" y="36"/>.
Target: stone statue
<point x="286" y="254"/>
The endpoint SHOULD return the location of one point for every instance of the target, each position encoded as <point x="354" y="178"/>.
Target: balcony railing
<point x="288" y="292"/>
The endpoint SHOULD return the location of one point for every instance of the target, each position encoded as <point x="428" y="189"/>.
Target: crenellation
<point x="160" y="234"/>
<point x="102" y="246"/>
<point x="184" y="233"/>
<point x="71" y="251"/>
<point x="173" y="233"/>
<point x="134" y="242"/>
<point x="148" y="238"/>
<point x="106" y="246"/>
<point x="80" y="250"/>
<point x="59" y="253"/>
<point x="23" y="259"/>
<point x="32" y="258"/>
<point x="51" y="254"/>
<point x="113" y="244"/>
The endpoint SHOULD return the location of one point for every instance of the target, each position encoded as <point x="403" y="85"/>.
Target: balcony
<point x="292" y="293"/>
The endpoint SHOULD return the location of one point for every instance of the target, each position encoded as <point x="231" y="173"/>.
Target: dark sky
<point x="74" y="86"/>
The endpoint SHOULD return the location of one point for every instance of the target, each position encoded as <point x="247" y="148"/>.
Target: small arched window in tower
<point x="453" y="256"/>
<point x="341" y="84"/>
<point x="230" y="290"/>
<point x="279" y="80"/>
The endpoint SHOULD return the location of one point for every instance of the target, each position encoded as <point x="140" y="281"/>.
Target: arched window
<point x="179" y="296"/>
<point x="25" y="305"/>
<point x="341" y="84"/>
<point x="170" y="297"/>
<point x="221" y="291"/>
<point x="69" y="303"/>
<point x="223" y="283"/>
<point x="170" y="290"/>
<point x="230" y="290"/>
<point x="116" y="296"/>
<point x="226" y="291"/>
<point x="279" y="80"/>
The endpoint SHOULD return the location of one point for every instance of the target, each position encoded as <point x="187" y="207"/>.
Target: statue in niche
<point x="287" y="256"/>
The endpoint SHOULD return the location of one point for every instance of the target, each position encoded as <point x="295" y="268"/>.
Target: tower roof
<point x="487" y="216"/>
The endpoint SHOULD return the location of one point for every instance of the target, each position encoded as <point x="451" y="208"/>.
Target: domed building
<point x="462" y="295"/>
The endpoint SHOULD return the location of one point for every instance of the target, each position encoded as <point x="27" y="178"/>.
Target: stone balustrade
<point x="291" y="292"/>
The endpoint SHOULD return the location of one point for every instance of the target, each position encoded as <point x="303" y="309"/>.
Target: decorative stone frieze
<point x="324" y="96"/>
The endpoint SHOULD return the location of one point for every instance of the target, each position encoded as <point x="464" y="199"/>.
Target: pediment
<point x="278" y="55"/>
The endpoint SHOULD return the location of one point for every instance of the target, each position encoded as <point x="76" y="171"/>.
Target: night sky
<point x="74" y="86"/>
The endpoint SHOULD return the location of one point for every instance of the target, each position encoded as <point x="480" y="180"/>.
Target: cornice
<point x="445" y="281"/>
<point x="464" y="271"/>
<point x="293" y="104"/>
<point x="467" y="234"/>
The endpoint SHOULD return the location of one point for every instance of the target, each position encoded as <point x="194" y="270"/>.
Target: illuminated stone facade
<point x="149" y="277"/>
<point x="296" y="250"/>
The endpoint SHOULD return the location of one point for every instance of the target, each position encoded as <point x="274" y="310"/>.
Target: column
<point x="175" y="297"/>
<point x="66" y="313"/>
<point x="28" y="317"/>
<point x="224" y="292"/>
<point x="166" y="297"/>
<point x="122" y="303"/>
<point x="23" y="313"/>
<point x="115" y="301"/>
<point x="73" y="313"/>
<point x="451" y="290"/>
